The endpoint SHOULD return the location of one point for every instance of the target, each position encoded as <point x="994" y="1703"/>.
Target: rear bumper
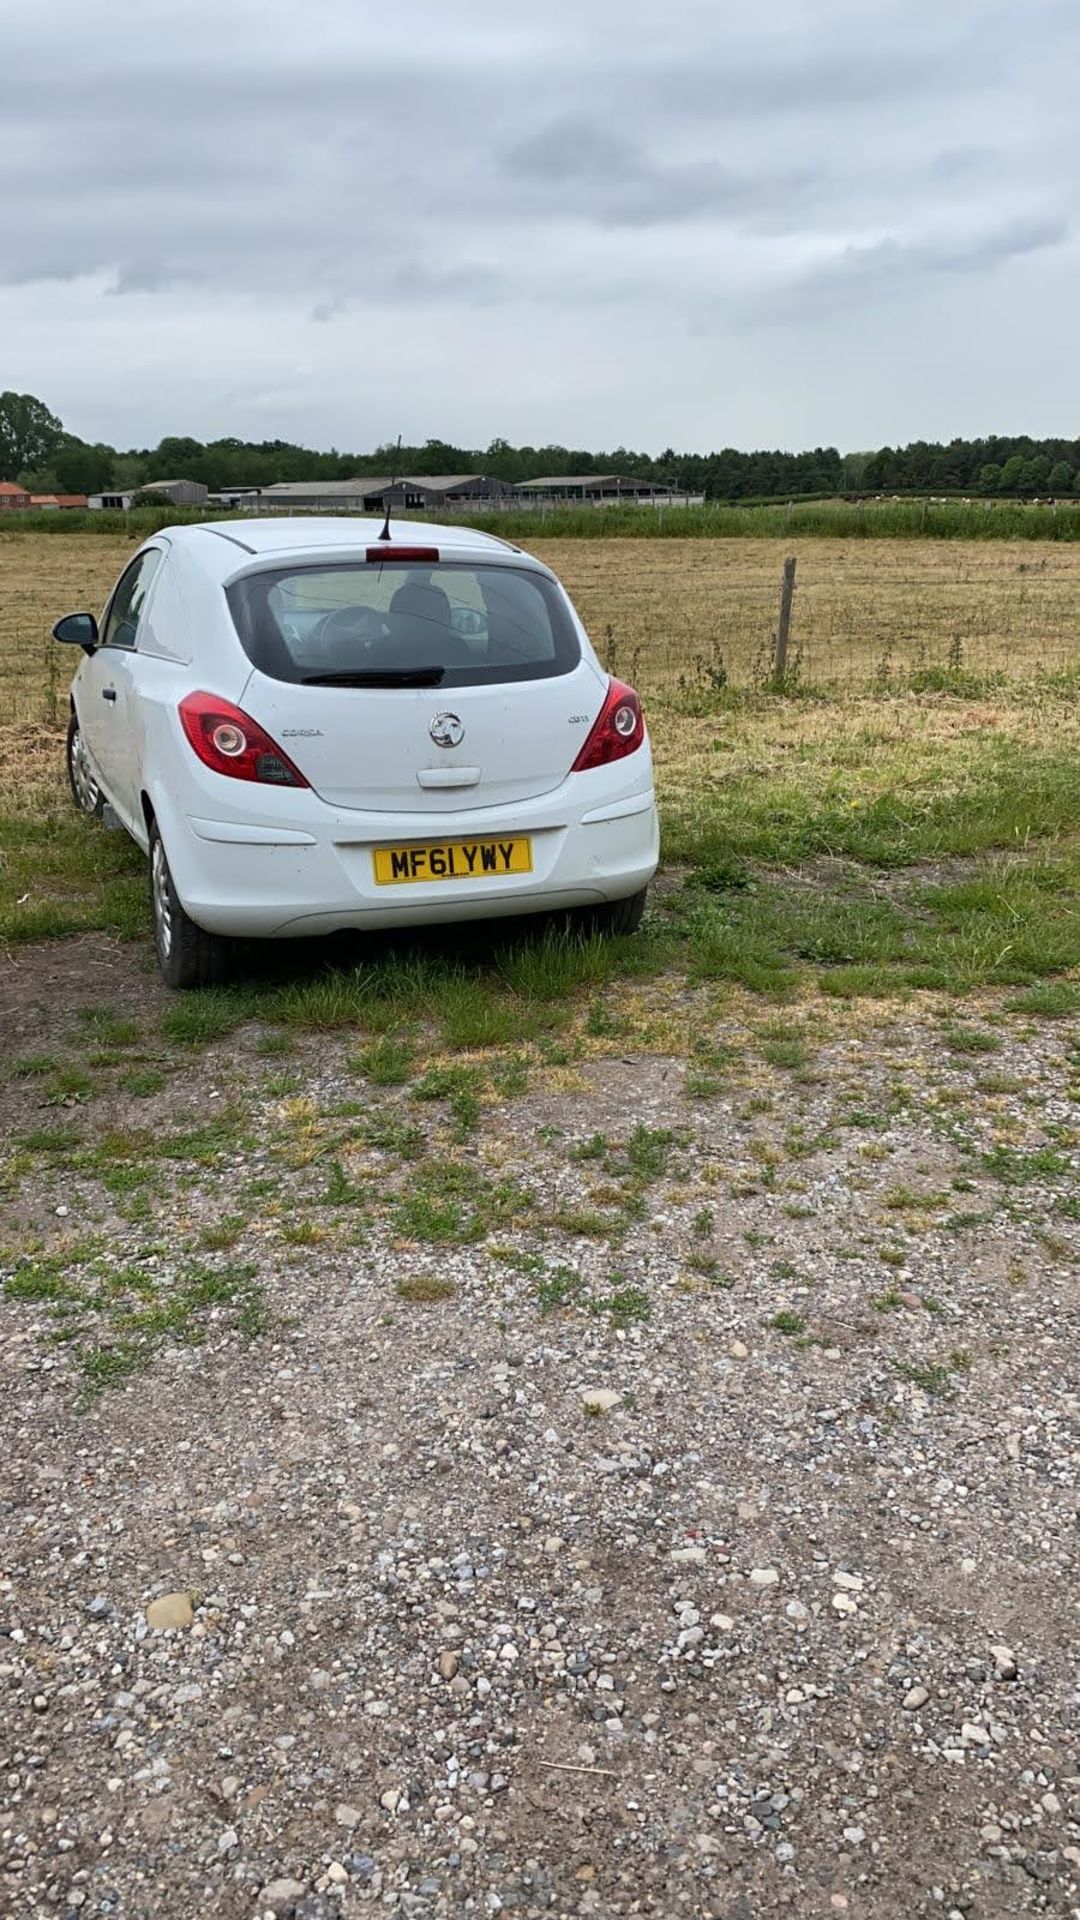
<point x="316" y="874"/>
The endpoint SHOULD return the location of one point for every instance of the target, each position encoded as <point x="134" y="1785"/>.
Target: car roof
<point x="224" y="548"/>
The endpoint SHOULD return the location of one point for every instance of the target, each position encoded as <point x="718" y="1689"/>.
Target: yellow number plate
<point x="451" y="860"/>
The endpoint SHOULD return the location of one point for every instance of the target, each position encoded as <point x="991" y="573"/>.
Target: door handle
<point x="108" y="693"/>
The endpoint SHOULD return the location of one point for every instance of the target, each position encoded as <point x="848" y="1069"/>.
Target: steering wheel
<point x="346" y="624"/>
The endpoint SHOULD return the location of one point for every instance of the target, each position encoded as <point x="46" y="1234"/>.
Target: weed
<point x="973" y="1040"/>
<point x="340" y="1190"/>
<point x="627" y="1306"/>
<point x="787" y="1322"/>
<point x="559" y="1287"/>
<point x="141" y="1082"/>
<point x="387" y="1062"/>
<point x="390" y="1133"/>
<point x="1015" y="1167"/>
<point x="1048" y="1000"/>
<point x="424" y="1289"/>
<point x="222" y="1234"/>
<point x="596" y="1147"/>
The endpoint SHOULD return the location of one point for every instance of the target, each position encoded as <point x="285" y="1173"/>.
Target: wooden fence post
<point x="783" y="625"/>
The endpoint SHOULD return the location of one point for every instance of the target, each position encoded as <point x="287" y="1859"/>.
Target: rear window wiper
<point x="378" y="677"/>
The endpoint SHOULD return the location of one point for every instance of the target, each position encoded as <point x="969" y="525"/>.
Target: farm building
<point x="118" y="502"/>
<point x="604" y="489"/>
<point x="13" y="499"/>
<point x="373" y="495"/>
<point x="52" y="502"/>
<point x="180" y="493"/>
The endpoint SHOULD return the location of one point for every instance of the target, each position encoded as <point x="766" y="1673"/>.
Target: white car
<point x="316" y="724"/>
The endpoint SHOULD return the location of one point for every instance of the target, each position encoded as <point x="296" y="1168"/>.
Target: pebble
<point x="346" y="1816"/>
<point x="764" y="1577"/>
<point x="738" y="1350"/>
<point x="843" y="1603"/>
<point x="688" y="1556"/>
<point x="280" y="1894"/>
<point x="170" y="1611"/>
<point x="1004" y="1660"/>
<point x="914" y="1699"/>
<point x="449" y="1662"/>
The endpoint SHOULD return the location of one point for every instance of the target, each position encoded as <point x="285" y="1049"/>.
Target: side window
<point x="121" y="623"/>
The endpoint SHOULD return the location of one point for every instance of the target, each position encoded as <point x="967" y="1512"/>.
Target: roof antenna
<point x="385" y="534"/>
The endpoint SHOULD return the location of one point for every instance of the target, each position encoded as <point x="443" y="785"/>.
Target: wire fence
<point x="680" y="617"/>
<point x="697" y="614"/>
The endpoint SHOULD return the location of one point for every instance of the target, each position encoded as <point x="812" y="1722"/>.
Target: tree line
<point x="37" y="451"/>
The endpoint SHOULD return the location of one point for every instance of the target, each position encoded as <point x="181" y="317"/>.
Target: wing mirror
<point x="77" y="630"/>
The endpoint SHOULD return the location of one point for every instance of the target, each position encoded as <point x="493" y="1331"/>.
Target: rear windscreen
<point x="474" y="624"/>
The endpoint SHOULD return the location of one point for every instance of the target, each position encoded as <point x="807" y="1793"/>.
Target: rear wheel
<point x="85" y="791"/>
<point x="614" y="917"/>
<point x="187" y="955"/>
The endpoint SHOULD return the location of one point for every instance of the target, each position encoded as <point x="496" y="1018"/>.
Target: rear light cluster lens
<point x="618" y="729"/>
<point x="429" y="555"/>
<point x="229" y="741"/>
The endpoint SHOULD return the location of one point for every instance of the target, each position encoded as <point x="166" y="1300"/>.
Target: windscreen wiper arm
<point x="378" y="677"/>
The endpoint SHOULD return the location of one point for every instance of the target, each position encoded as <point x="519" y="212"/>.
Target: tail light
<point x="618" y="729"/>
<point x="229" y="741"/>
<point x="379" y="554"/>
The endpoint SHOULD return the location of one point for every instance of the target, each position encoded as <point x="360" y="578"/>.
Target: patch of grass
<point x="340" y="1191"/>
<point x="302" y="1233"/>
<point x="585" y="1223"/>
<point x="141" y="1082"/>
<point x="67" y="1085"/>
<point x="450" y="1202"/>
<point x="1048" y="1000"/>
<point x="107" y="1028"/>
<point x="34" y="1066"/>
<point x="935" y="1377"/>
<point x="787" y="1322"/>
<point x="387" y="1062"/>
<point x="559" y="1287"/>
<point x="117" y="1318"/>
<point x="55" y="1142"/>
<point x="198" y="1019"/>
<point x="424" y="1289"/>
<point x="389" y="1132"/>
<point x="971" y="1040"/>
<point x="459" y="1087"/>
<point x="274" y="1045"/>
<point x="1016" y="1166"/>
<point x="222" y="1234"/>
<point x="788" y="1053"/>
<point x="596" y="1147"/>
<point x="627" y="1306"/>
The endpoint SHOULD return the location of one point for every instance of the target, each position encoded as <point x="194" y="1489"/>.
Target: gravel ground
<point x="720" y="1562"/>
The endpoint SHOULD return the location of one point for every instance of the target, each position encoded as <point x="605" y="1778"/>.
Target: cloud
<point x="550" y="199"/>
<point x="896" y="270"/>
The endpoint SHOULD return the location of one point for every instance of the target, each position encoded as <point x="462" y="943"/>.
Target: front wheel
<point x="614" y="917"/>
<point x="85" y="791"/>
<point x="187" y="955"/>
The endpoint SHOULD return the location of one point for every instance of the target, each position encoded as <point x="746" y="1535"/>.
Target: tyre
<point x="85" y="791"/>
<point x="187" y="955"/>
<point x="614" y="917"/>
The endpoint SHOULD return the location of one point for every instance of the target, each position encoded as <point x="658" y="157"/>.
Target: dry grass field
<point x="931" y="716"/>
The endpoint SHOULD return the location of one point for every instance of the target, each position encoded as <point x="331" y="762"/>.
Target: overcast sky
<point x="657" y="222"/>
